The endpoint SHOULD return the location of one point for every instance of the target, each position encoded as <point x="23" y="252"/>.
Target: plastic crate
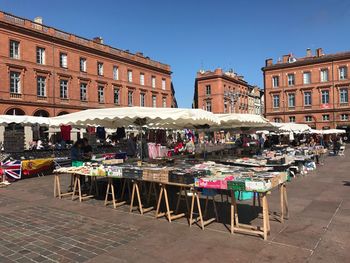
<point x="77" y="163"/>
<point x="243" y="195"/>
<point x="236" y="185"/>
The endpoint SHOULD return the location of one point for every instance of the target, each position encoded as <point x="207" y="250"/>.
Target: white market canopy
<point x="24" y="120"/>
<point x="128" y="116"/>
<point x="238" y="120"/>
<point x="291" y="127"/>
<point x="330" y="131"/>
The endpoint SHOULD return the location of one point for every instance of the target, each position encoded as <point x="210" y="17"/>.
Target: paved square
<point x="35" y="227"/>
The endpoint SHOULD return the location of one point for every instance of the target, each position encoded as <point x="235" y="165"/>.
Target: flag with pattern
<point x="11" y="169"/>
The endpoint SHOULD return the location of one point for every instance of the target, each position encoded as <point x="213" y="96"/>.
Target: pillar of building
<point x="28" y="136"/>
<point x="2" y="130"/>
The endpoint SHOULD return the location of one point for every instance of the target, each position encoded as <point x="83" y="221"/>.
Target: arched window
<point x="62" y="113"/>
<point x="41" y="113"/>
<point x="15" y="111"/>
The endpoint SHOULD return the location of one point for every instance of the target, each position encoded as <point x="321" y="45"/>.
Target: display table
<point x="139" y="177"/>
<point x="236" y="226"/>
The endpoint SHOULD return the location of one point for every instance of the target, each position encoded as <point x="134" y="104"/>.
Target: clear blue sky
<point x="190" y="35"/>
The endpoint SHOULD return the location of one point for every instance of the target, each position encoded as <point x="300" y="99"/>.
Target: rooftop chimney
<point x="319" y="52"/>
<point x="38" y="20"/>
<point x="285" y="58"/>
<point x="308" y="53"/>
<point x="218" y="71"/>
<point x="268" y="62"/>
<point x="98" y="40"/>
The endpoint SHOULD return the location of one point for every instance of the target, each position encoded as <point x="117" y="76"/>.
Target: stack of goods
<point x="218" y="181"/>
<point x="185" y="176"/>
<point x="132" y="172"/>
<point x="258" y="182"/>
<point x="98" y="171"/>
<point x="217" y="175"/>
<point x="83" y="170"/>
<point x="269" y="154"/>
<point x="112" y="161"/>
<point x="280" y="160"/>
<point x="14" y="141"/>
<point x="248" y="161"/>
<point x="114" y="171"/>
<point x="156" y="174"/>
<point x="276" y="161"/>
<point x="161" y="161"/>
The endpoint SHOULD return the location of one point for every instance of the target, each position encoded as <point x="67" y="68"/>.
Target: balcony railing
<point x="83" y="41"/>
<point x="41" y="98"/>
<point x="61" y="34"/>
<point x="16" y="95"/>
<point x="14" y="19"/>
<point x="40" y="27"/>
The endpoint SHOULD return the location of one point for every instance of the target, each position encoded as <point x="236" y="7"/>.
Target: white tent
<point x="24" y="120"/>
<point x="330" y="131"/>
<point x="126" y="116"/>
<point x="236" y="120"/>
<point x="292" y="127"/>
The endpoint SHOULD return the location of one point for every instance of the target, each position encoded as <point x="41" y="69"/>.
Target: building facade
<point x="311" y="90"/>
<point x="224" y="92"/>
<point x="48" y="72"/>
<point x="255" y="103"/>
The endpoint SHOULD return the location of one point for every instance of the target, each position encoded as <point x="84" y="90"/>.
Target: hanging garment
<point x="65" y="132"/>
<point x="101" y="133"/>
<point x="91" y="129"/>
<point x="120" y="133"/>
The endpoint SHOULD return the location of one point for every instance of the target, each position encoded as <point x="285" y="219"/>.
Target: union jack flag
<point x="11" y="169"/>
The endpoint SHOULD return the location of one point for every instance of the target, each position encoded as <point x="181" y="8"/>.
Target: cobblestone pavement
<point x="42" y="234"/>
<point x="36" y="227"/>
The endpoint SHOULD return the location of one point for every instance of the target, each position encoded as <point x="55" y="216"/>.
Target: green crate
<point x="236" y="185"/>
<point x="77" y="163"/>
<point x="242" y="195"/>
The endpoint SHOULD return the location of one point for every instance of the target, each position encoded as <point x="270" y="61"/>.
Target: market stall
<point x="186" y="175"/>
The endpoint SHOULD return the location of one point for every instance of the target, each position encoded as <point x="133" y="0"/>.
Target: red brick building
<point x="312" y="89"/>
<point x="48" y="72"/>
<point x="225" y="92"/>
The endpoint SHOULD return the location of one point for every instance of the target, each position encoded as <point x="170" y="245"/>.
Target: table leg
<point x="167" y="203"/>
<point x="232" y="212"/>
<point x="186" y="199"/>
<point x="107" y="192"/>
<point x="215" y="210"/>
<point x="75" y="186"/>
<point x="159" y="201"/>
<point x="113" y="195"/>
<point x="286" y="201"/>
<point x="132" y="197"/>
<point x="56" y="191"/>
<point x="79" y="189"/>
<point x="268" y="216"/>
<point x="199" y="210"/>
<point x="139" y="198"/>
<point x="191" y="212"/>
<point x="281" y="188"/>
<point x="264" y="216"/>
